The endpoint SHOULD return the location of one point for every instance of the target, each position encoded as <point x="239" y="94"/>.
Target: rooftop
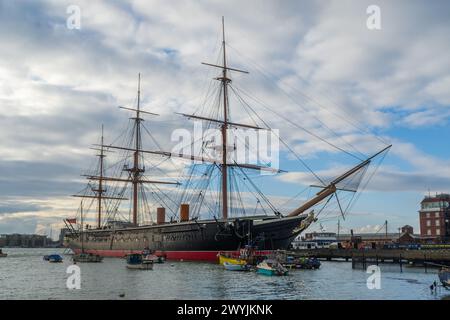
<point x="437" y="197"/>
<point x="379" y="236"/>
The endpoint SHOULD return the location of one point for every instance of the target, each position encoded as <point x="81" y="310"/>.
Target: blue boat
<point x="314" y="263"/>
<point x="236" y="267"/>
<point x="53" y="258"/>
<point x="138" y="262"/>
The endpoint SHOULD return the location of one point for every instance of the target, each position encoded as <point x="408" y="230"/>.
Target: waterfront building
<point x="367" y="240"/>
<point x="434" y="216"/>
<point x="2" y="240"/>
<point x="404" y="236"/>
<point x="25" y="240"/>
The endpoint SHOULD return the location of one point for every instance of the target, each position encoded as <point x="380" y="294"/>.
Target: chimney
<point x="160" y="215"/>
<point x="184" y="212"/>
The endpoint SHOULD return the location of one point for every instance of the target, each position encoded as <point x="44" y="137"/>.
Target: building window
<point x="429" y="232"/>
<point x="438" y="232"/>
<point x="428" y="223"/>
<point x="436" y="214"/>
<point x="438" y="223"/>
<point x="428" y="214"/>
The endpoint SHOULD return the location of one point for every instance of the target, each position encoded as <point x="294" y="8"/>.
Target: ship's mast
<point x="136" y="171"/>
<point x="224" y="124"/>
<point x="100" y="190"/>
<point x="224" y="81"/>
<point x="82" y="236"/>
<point x="135" y="174"/>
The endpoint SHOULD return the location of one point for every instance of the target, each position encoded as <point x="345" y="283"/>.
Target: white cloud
<point x="439" y="90"/>
<point x="58" y="85"/>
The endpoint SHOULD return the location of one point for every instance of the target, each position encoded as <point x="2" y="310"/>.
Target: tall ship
<point x="138" y="207"/>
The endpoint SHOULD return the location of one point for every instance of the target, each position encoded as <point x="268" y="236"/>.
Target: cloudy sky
<point x="314" y="62"/>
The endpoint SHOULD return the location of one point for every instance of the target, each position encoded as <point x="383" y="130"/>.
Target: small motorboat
<point x="2" y="254"/>
<point x="444" y="277"/>
<point x="271" y="268"/>
<point x="236" y="261"/>
<point x="236" y="267"/>
<point x="87" y="257"/>
<point x="149" y="255"/>
<point x="313" y="263"/>
<point x="54" y="258"/>
<point x="308" y="263"/>
<point x="301" y="263"/>
<point x="153" y="258"/>
<point x="136" y="261"/>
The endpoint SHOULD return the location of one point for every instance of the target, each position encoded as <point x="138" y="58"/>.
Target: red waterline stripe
<point x="210" y="256"/>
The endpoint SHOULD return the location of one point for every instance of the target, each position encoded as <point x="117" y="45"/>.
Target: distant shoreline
<point x="16" y="247"/>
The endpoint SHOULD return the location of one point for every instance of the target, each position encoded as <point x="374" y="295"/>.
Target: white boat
<point x="236" y="267"/>
<point x="271" y="268"/>
<point x="2" y="254"/>
<point x="87" y="257"/>
<point x="153" y="258"/>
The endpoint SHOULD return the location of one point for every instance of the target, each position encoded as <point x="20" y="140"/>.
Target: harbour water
<point x="25" y="275"/>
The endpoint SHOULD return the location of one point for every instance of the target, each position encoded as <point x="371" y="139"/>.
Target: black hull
<point x="193" y="236"/>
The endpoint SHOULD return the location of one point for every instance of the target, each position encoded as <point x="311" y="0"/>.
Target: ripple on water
<point x="24" y="275"/>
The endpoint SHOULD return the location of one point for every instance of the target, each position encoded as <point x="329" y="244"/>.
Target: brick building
<point x="367" y="240"/>
<point x="434" y="217"/>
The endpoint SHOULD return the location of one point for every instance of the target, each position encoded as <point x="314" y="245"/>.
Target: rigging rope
<point x="269" y="76"/>
<point x="282" y="141"/>
<point x="298" y="126"/>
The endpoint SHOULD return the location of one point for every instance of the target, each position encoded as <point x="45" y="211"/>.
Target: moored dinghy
<point x="87" y="257"/>
<point x="54" y="258"/>
<point x="136" y="261"/>
<point x="231" y="260"/>
<point x="2" y="254"/>
<point x="444" y="277"/>
<point x="236" y="267"/>
<point x="301" y="263"/>
<point x="271" y="267"/>
<point x="149" y="255"/>
<point x="153" y="258"/>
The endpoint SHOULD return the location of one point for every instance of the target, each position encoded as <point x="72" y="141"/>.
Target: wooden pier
<point x="379" y="255"/>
